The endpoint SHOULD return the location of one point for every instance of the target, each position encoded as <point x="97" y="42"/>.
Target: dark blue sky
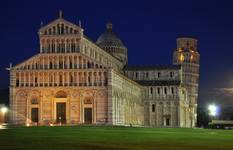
<point x="148" y="29"/>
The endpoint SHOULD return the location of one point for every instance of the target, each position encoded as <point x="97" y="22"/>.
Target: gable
<point x="60" y="26"/>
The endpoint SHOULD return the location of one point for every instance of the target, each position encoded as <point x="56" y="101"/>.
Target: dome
<point x="109" y="39"/>
<point x="110" y="42"/>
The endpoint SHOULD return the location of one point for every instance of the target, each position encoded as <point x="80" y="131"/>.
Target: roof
<point x="158" y="82"/>
<point x="152" y="67"/>
<point x="109" y="39"/>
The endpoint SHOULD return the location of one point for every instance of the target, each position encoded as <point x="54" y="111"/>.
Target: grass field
<point x="114" y="138"/>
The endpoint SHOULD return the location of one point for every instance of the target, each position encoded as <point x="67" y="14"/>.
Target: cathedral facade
<point x="74" y="80"/>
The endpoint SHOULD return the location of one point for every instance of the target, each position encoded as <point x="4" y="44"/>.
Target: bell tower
<point x="187" y="55"/>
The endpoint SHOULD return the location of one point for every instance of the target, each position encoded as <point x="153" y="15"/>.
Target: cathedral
<point x="74" y="80"/>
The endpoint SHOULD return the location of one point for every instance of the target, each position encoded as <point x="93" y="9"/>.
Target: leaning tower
<point x="187" y="56"/>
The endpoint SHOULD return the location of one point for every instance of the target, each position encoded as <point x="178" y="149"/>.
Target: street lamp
<point x="4" y="110"/>
<point x="213" y="110"/>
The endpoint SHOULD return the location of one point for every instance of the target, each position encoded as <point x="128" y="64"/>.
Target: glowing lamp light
<point x="50" y="124"/>
<point x="1" y="126"/>
<point x="181" y="58"/>
<point x="4" y="110"/>
<point x="28" y="124"/>
<point x="213" y="110"/>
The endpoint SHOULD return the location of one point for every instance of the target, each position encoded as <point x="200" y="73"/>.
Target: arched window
<point x="165" y="90"/>
<point x="71" y="79"/>
<point x="54" y="30"/>
<point x="60" y="79"/>
<point x="58" y="29"/>
<point x="147" y="74"/>
<point x="50" y="65"/>
<point x="72" y="47"/>
<point x="60" y="65"/>
<point x="158" y="90"/>
<point x="71" y="31"/>
<point x="71" y="64"/>
<point x="50" y="31"/>
<point x="153" y="107"/>
<point x="151" y="90"/>
<point x="17" y="82"/>
<point x="88" y="64"/>
<point x="171" y="74"/>
<point x="62" y="28"/>
<point x="172" y="89"/>
<point x="159" y="74"/>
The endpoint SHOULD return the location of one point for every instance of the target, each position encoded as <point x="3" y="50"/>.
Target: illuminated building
<point x="74" y="80"/>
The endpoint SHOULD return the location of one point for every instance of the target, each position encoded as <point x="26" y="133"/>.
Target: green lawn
<point x="114" y="138"/>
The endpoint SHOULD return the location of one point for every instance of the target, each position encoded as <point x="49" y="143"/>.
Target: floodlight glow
<point x="4" y="110"/>
<point x="28" y="124"/>
<point x="213" y="110"/>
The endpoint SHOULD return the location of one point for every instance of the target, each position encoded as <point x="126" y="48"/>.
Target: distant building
<point x="74" y="80"/>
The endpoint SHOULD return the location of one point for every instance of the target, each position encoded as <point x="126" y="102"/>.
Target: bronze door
<point x="61" y="113"/>
<point x="88" y="115"/>
<point x="34" y="115"/>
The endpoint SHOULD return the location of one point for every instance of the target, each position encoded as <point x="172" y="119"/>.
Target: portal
<point x="88" y="115"/>
<point x="34" y="115"/>
<point x="61" y="113"/>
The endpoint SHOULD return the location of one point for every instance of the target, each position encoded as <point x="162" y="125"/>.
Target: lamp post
<point x="3" y="111"/>
<point x="213" y="112"/>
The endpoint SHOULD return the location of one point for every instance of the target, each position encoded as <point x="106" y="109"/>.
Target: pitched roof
<point x="158" y="82"/>
<point x="151" y="67"/>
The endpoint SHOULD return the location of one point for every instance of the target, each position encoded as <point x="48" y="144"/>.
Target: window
<point x="172" y="89"/>
<point x="71" y="79"/>
<point x="17" y="82"/>
<point x="165" y="90"/>
<point x="151" y="90"/>
<point x="153" y="107"/>
<point x="158" y="90"/>
<point x="34" y="101"/>
<point x="171" y="74"/>
<point x="60" y="79"/>
<point x="71" y="65"/>
<point x="58" y="28"/>
<point x="147" y="75"/>
<point x="167" y="121"/>
<point x="88" y="64"/>
<point x="71" y="31"/>
<point x="35" y="79"/>
<point x="53" y="47"/>
<point x="159" y="74"/>
<point x="62" y="28"/>
<point x="72" y="47"/>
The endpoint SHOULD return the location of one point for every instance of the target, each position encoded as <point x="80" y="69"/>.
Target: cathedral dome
<point x="109" y="38"/>
<point x="111" y="43"/>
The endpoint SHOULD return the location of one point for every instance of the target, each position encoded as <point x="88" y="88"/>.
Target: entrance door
<point x="61" y="113"/>
<point x="88" y="115"/>
<point x="167" y="122"/>
<point x="34" y="115"/>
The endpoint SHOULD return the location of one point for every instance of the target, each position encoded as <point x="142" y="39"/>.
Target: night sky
<point x="147" y="28"/>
